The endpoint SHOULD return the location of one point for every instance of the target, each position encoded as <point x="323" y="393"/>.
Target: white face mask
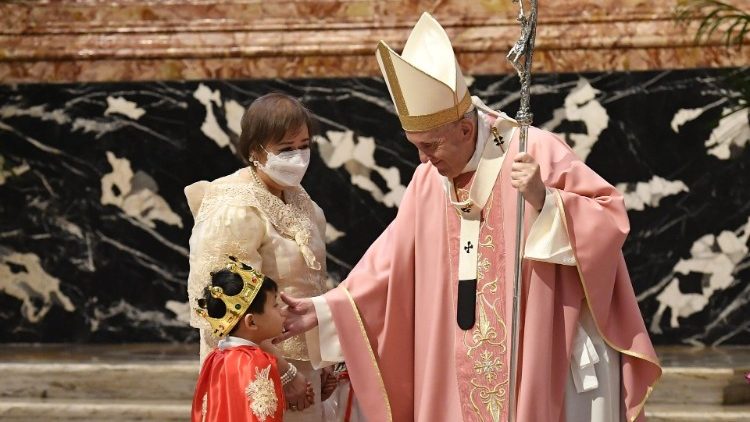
<point x="286" y="168"/>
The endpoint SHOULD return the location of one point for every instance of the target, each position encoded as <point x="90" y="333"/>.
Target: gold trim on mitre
<point x="236" y="305"/>
<point x="384" y="53"/>
<point x="431" y="121"/>
<point x="425" y="81"/>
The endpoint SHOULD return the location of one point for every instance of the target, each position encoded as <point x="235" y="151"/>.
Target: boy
<point x="239" y="381"/>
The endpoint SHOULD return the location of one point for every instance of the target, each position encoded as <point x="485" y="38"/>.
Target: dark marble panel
<point x="94" y="225"/>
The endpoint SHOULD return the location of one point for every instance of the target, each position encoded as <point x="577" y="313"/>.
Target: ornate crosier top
<point x="520" y="56"/>
<point x="522" y="49"/>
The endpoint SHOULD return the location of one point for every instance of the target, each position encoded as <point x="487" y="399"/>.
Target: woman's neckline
<point x="255" y="179"/>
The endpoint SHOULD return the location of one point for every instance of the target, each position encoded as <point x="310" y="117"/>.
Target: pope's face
<point x="449" y="148"/>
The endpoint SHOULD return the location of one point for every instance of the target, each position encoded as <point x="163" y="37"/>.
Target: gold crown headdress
<point x="236" y="305"/>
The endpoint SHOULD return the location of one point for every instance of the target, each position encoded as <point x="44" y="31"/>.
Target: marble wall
<point x="94" y="225"/>
<point x="128" y="40"/>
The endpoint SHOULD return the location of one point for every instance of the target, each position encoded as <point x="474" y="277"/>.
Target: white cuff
<point x="323" y="344"/>
<point x="548" y="241"/>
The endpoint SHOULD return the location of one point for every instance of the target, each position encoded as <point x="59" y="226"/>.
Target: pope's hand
<point x="526" y="177"/>
<point x="300" y="317"/>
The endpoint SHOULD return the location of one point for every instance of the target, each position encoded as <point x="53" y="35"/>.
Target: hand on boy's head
<point x="284" y="311"/>
<point x="300" y="317"/>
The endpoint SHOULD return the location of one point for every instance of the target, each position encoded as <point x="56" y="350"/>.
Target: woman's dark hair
<point x="268" y="119"/>
<point x="231" y="283"/>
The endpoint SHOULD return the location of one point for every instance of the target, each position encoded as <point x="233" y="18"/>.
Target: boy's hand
<point x="310" y="394"/>
<point x="297" y="393"/>
<point x="300" y="317"/>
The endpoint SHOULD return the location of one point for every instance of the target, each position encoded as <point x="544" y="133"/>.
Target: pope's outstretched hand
<point x="299" y="316"/>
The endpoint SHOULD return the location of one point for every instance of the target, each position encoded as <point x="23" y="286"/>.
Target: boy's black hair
<point x="231" y="283"/>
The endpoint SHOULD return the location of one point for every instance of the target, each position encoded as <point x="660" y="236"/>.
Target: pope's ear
<point x="467" y="127"/>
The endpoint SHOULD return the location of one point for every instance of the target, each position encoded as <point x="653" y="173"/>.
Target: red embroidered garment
<point x="238" y="384"/>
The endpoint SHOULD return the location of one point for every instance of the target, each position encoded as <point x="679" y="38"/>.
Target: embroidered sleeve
<point x="319" y="220"/>
<point x="293" y="219"/>
<point x="222" y="226"/>
<point x="194" y="194"/>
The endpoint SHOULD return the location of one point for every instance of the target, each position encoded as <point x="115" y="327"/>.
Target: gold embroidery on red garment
<point x="261" y="394"/>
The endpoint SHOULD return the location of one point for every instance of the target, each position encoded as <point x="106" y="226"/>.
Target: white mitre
<point x="425" y="81"/>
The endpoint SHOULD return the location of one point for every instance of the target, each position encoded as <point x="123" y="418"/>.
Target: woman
<point x="265" y="218"/>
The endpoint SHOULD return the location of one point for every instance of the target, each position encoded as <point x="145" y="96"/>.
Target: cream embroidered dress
<point x="285" y="240"/>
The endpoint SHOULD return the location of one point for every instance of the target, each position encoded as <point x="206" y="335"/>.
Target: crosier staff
<point x="520" y="56"/>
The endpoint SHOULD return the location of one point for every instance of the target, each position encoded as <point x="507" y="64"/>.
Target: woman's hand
<point x="299" y="393"/>
<point x="328" y="383"/>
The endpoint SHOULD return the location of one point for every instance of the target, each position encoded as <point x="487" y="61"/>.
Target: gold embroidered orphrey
<point x="486" y="343"/>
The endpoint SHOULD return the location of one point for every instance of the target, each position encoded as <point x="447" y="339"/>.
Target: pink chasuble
<point x="396" y="312"/>
<point x="482" y="352"/>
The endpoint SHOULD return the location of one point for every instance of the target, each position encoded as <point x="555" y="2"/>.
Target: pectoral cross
<point x="498" y="138"/>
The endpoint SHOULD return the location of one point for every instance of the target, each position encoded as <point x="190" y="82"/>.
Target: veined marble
<point x="94" y="224"/>
<point x="127" y="40"/>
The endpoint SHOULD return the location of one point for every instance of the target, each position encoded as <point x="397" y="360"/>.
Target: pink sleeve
<point x="373" y="310"/>
<point x="597" y="225"/>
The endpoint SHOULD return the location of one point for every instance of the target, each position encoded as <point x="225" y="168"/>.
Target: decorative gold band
<point x="423" y="122"/>
<point x="373" y="359"/>
<point x="431" y="121"/>
<point x="390" y="74"/>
